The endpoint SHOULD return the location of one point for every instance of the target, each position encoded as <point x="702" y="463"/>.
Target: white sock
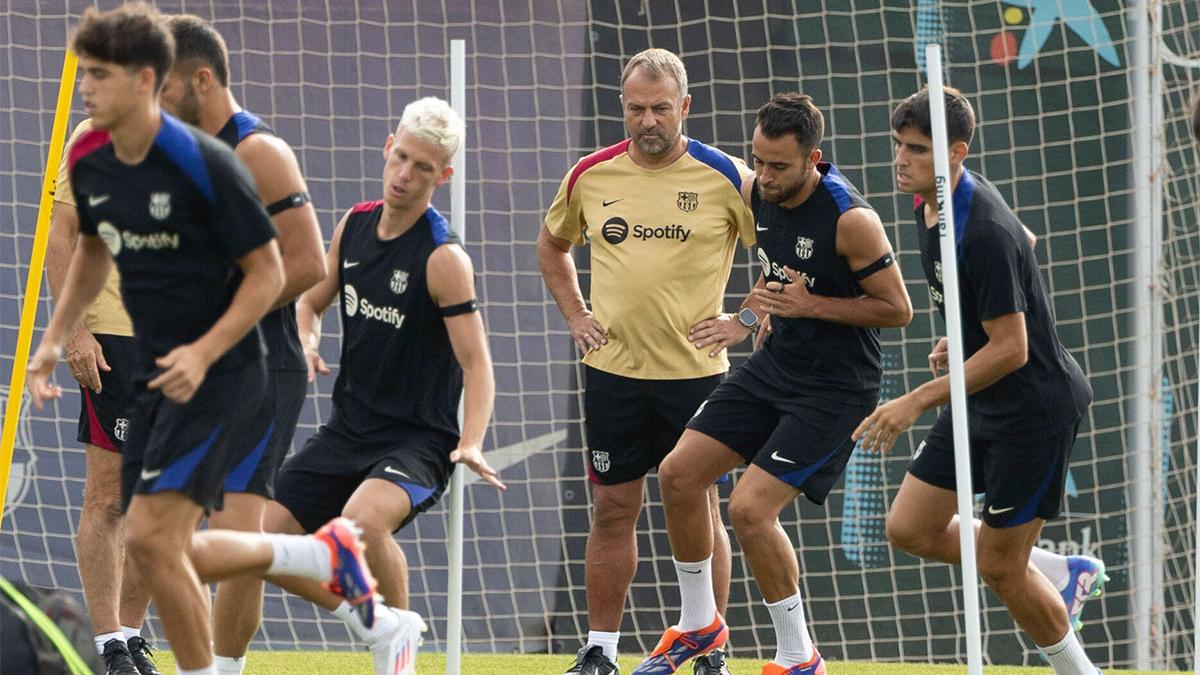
<point x="606" y="641"/>
<point x="793" y="645"/>
<point x="301" y="556"/>
<point x="1067" y="657"/>
<point x="208" y="670"/>
<point x="105" y="637"/>
<point x="1052" y="565"/>
<point x="229" y="665"/>
<point x="131" y="632"/>
<point x="697" y="604"/>
<point x="385" y="621"/>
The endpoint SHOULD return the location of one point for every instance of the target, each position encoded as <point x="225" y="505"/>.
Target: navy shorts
<point x="801" y="439"/>
<point x="256" y="473"/>
<point x="315" y="483"/>
<point x="633" y="424"/>
<point x="1021" y="479"/>
<point x="191" y="448"/>
<point x="104" y="417"/>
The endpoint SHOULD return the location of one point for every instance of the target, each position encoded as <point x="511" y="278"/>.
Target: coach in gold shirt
<point x="663" y="214"/>
<point x="100" y="355"/>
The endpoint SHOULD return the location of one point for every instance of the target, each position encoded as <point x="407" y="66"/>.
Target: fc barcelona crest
<point x="160" y="205"/>
<point x="120" y="428"/>
<point x="804" y="248"/>
<point x="399" y="281"/>
<point x="600" y="461"/>
<point x="688" y="201"/>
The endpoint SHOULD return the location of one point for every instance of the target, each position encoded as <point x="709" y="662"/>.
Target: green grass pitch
<point x="348" y="663"/>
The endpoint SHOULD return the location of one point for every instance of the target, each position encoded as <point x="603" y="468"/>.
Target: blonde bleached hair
<point x="658" y="63"/>
<point x="433" y="120"/>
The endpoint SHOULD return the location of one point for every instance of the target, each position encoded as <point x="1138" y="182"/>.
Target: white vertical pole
<point x="1158" y="419"/>
<point x="1196" y="511"/>
<point x="1196" y="533"/>
<point x="458" y="220"/>
<point x="958" y="385"/>
<point x="1144" y="441"/>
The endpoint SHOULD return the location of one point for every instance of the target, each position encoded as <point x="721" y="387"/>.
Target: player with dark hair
<point x="828" y="283"/>
<point x="196" y="90"/>
<point x="199" y="267"/>
<point x="662" y="214"/>
<point x="100" y="355"/>
<point x="413" y="344"/>
<point x="1026" y="397"/>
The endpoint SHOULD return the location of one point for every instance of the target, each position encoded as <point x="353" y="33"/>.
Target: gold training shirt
<point x="662" y="246"/>
<point x="106" y="315"/>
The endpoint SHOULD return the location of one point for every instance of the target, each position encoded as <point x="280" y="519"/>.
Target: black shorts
<point x="256" y="473"/>
<point x="191" y="448"/>
<point x="104" y="417"/>
<point x="1020" y="479"/>
<point x="801" y="439"/>
<point x="315" y="483"/>
<point x="632" y="424"/>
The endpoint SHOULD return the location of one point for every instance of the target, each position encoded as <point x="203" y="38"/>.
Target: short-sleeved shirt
<point x="802" y="354"/>
<point x="279" y="329"/>
<point x="176" y="223"/>
<point x="662" y="248"/>
<point x="998" y="274"/>
<point x="398" y="370"/>
<point x="106" y="315"/>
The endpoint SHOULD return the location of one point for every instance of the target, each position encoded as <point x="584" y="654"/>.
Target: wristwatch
<point x="748" y="318"/>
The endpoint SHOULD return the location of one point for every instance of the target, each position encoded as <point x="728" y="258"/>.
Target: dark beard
<point x="787" y="194"/>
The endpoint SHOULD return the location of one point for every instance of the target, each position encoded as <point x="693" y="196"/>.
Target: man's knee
<point x="146" y="546"/>
<point x="902" y="535"/>
<point x="106" y="507"/>
<point x="158" y="530"/>
<point x="375" y="523"/>
<point x="999" y="569"/>
<point x="615" y="507"/>
<point x="748" y="516"/>
<point x="103" y="500"/>
<point x="674" y="475"/>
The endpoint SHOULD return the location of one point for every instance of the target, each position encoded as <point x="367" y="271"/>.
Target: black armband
<point x="887" y="260"/>
<point x="292" y="201"/>
<point x="467" y="307"/>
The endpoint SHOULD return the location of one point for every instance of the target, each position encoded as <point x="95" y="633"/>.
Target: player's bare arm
<point x="185" y="366"/>
<point x="451" y="281"/>
<point x="86" y="275"/>
<point x="277" y="175"/>
<point x="85" y="357"/>
<point x="1005" y="351"/>
<point x="884" y="302"/>
<point x="312" y="305"/>
<point x="558" y="269"/>
<point x="726" y="330"/>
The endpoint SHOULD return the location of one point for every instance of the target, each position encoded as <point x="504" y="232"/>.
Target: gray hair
<point x="433" y="120"/>
<point x="656" y="63"/>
